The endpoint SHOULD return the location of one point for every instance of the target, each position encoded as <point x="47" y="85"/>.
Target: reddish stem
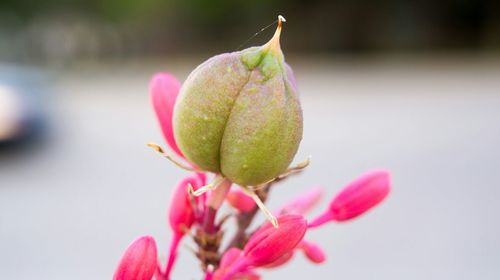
<point x="176" y="238"/>
<point x="209" y="220"/>
<point x="321" y="219"/>
<point x="213" y="203"/>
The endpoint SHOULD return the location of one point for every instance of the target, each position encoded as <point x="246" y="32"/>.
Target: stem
<point x="172" y="255"/>
<point x="321" y="219"/>
<point x="214" y="202"/>
<point x="245" y="219"/>
<point x="209" y="220"/>
<point x="262" y="207"/>
<point x="218" y="195"/>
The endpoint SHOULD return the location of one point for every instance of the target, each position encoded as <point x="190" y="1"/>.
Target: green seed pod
<point x="238" y="114"/>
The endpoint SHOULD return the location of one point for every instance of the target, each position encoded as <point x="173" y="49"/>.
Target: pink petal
<point x="164" y="89"/>
<point x="284" y="259"/>
<point x="181" y="214"/>
<point x="139" y="261"/>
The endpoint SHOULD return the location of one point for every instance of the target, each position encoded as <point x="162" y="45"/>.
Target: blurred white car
<point x="20" y="105"/>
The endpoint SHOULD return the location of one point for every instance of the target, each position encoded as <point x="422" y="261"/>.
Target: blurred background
<point x="411" y="86"/>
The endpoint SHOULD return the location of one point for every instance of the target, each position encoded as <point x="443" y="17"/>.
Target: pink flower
<point x="268" y="243"/>
<point x="164" y="89"/>
<point x="356" y="198"/>
<point x="312" y="251"/>
<point x="240" y="201"/>
<point x="139" y="261"/>
<point x="180" y="216"/>
<point x="302" y="203"/>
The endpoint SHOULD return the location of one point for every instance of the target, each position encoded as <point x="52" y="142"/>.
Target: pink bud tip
<point x="268" y="244"/>
<point x="164" y="89"/>
<point x="240" y="201"/>
<point x="312" y="251"/>
<point x="357" y="198"/>
<point x="303" y="203"/>
<point x="139" y="261"/>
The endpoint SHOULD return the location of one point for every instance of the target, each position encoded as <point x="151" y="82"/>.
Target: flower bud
<point x="267" y="244"/>
<point x="181" y="214"/>
<point x="285" y="258"/>
<point x="356" y="198"/>
<point x="164" y="89"/>
<point x="239" y="115"/>
<point x="312" y="251"/>
<point x="139" y="261"/>
<point x="240" y="201"/>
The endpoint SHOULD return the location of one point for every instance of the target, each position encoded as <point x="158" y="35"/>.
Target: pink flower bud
<point x="267" y="244"/>
<point x="281" y="260"/>
<point x="303" y="203"/>
<point x="180" y="216"/>
<point x="312" y="251"/>
<point x="356" y="198"/>
<point x="139" y="261"/>
<point x="164" y="89"/>
<point x="240" y="201"/>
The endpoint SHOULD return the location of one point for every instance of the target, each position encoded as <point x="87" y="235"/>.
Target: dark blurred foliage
<point x="68" y="28"/>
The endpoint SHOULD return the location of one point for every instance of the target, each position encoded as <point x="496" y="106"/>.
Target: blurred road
<point x="70" y="205"/>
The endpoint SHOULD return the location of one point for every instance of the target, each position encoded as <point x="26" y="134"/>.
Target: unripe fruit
<point x="238" y="114"/>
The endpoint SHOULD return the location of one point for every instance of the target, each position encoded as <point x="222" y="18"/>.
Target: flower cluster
<point x="194" y="209"/>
